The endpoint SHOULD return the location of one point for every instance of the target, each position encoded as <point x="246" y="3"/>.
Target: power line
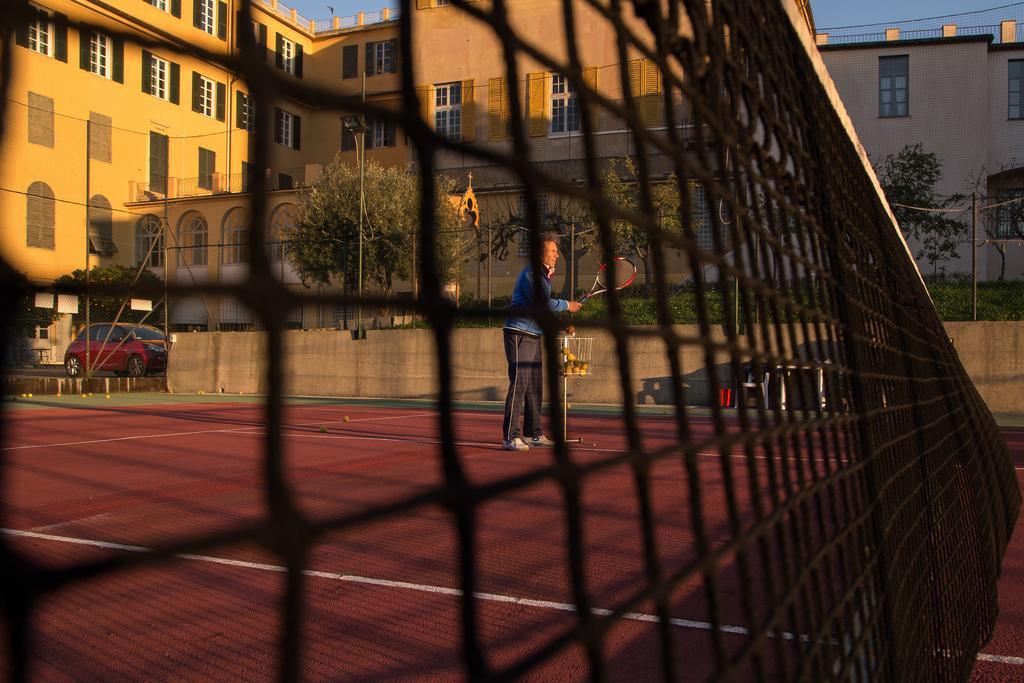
<point x="908" y="21"/>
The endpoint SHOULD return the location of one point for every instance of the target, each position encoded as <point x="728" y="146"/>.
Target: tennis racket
<point x="616" y="274"/>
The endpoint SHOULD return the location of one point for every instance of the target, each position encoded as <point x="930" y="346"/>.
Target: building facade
<point x="959" y="97"/>
<point x="123" y="147"/>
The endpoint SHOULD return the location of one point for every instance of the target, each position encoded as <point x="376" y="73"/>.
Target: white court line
<point x="233" y="430"/>
<point x="436" y="590"/>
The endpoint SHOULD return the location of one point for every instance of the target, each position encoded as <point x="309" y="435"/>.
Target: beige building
<point x="109" y="141"/>
<point x="959" y="96"/>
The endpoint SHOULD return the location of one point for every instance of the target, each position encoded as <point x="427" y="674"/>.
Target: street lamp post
<point x="357" y="126"/>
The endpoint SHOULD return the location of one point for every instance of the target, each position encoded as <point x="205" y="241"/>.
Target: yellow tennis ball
<point x="570" y="356"/>
<point x="345" y="419"/>
<point x="565" y="350"/>
<point x="108" y="396"/>
<point x="30" y="395"/>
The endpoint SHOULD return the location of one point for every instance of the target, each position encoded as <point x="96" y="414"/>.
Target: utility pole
<point x="974" y="256"/>
<point x="88" y="331"/>
<point x="362" y="209"/>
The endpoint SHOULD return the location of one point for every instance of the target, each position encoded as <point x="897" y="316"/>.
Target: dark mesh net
<point x="846" y="523"/>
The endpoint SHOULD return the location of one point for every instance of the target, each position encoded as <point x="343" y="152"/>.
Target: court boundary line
<point x="439" y="590"/>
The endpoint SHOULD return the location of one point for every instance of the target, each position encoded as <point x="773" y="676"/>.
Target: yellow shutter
<point x="636" y="75"/>
<point x="537" y="92"/>
<point x="497" y="109"/>
<point x="425" y="93"/>
<point x="468" y="111"/>
<point x="651" y="111"/>
<point x="424" y="4"/>
<point x="590" y="80"/>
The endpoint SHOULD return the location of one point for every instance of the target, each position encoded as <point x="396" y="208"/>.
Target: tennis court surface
<point x="98" y="483"/>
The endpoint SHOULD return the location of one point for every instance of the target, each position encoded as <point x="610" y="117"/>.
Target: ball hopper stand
<point x="576" y="355"/>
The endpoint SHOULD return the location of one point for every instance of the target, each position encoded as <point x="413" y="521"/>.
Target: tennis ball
<point x="30" y="395"/>
<point x="108" y="395"/>
<point x="565" y="350"/>
<point x="322" y="429"/>
<point x="345" y="419"/>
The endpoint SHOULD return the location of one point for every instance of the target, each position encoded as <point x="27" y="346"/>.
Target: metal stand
<point x="576" y="360"/>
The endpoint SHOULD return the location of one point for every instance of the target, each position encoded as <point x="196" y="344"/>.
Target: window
<point x="40" y="120"/>
<point x="442" y="3"/>
<point x="101" y="227"/>
<point x="285" y="181"/>
<point x="205" y="17"/>
<point x="159" y="4"/>
<point x="149" y="242"/>
<point x="248" y="176"/>
<point x="893" y="82"/>
<point x="207" y="166"/>
<point x="41" y="35"/>
<point x="236" y="236"/>
<point x="565" y="112"/>
<point x="288" y="56"/>
<point x="287" y="129"/>
<point x="40" y="210"/>
<point x="700" y="215"/>
<point x="158" y="75"/>
<point x="1015" y="70"/>
<point x="448" y="110"/>
<point x="382" y="133"/>
<point x="243" y="110"/>
<point x="380" y="57"/>
<point x="100" y="55"/>
<point x="99" y="137"/>
<point x="192" y="233"/>
<point x="350" y="61"/>
<point x="522" y="233"/>
<point x="45" y="34"/>
<point x="158" y="163"/>
<point x="281" y="225"/>
<point x="1010" y="214"/>
<point x="205" y="100"/>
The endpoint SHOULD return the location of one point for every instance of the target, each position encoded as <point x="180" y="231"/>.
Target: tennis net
<point x="863" y="520"/>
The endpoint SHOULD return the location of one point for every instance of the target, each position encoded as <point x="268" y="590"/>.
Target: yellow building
<point x="113" y="132"/>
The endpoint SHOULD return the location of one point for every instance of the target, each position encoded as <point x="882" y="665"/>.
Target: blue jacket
<point x="522" y="298"/>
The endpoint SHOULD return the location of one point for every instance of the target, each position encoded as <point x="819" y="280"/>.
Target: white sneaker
<point x="516" y="444"/>
<point x="541" y="441"/>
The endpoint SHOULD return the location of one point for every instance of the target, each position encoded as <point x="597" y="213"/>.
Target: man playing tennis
<point x="522" y="351"/>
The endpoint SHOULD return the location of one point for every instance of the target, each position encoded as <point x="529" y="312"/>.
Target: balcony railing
<point x="217" y="184"/>
<point x="292" y="16"/>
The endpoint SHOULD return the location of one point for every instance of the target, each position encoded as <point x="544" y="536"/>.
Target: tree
<point x="908" y="179"/>
<point x="324" y="243"/>
<point x="107" y="308"/>
<point x="622" y="188"/>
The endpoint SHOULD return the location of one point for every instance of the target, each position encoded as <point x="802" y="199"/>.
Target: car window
<point x="148" y="334"/>
<point x="118" y="333"/>
<point x="99" y="332"/>
<point x="81" y="336"/>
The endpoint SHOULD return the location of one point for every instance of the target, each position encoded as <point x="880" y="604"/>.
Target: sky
<point x="827" y="13"/>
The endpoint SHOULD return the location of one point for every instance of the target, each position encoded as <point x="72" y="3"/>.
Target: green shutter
<point x="176" y="8"/>
<point x="146" y="72"/>
<point x="298" y="60"/>
<point x="84" y="37"/>
<point x="175" y="83"/>
<point x="197" y="105"/>
<point x="222" y="20"/>
<point x="370" y="61"/>
<point x="60" y="43"/>
<point x="118" y="70"/>
<point x="296" y="131"/>
<point x="279" y="52"/>
<point x="220" y="101"/>
<point x="239" y="109"/>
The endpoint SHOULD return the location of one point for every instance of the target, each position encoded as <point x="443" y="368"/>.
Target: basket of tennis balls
<point x="576" y="356"/>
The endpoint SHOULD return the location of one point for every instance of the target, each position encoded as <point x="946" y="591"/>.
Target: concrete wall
<point x="993" y="355"/>
<point x="402" y="364"/>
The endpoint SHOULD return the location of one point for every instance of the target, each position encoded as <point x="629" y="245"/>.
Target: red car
<point x="124" y="349"/>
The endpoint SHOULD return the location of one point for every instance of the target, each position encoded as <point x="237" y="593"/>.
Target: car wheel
<point x="73" y="366"/>
<point x="135" y="367"/>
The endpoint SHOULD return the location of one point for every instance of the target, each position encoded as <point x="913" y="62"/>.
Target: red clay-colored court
<point x="87" y="479"/>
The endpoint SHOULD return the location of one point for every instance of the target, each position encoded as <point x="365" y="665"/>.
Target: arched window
<point x="39" y="216"/>
<point x="149" y="240"/>
<point x="192" y="239"/>
<point x="282" y="222"/>
<point x="101" y="227"/>
<point x="235" y="236"/>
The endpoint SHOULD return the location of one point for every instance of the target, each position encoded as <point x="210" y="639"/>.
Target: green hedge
<point x="996" y="300"/>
